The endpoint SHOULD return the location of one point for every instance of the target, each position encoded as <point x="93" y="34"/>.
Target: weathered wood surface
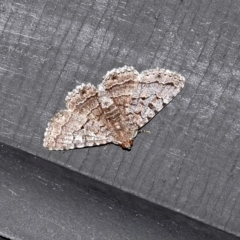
<point x="189" y="162"/>
<point x="41" y="200"/>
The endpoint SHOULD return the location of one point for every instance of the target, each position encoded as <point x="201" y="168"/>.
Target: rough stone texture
<point x="190" y="160"/>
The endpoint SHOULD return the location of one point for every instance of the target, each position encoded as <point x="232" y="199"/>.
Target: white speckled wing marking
<point x="81" y="125"/>
<point x="122" y="103"/>
<point x="155" y="89"/>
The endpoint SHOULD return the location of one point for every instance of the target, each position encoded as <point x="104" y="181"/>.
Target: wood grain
<point x="189" y="162"/>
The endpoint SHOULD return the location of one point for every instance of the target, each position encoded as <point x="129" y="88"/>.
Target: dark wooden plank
<point x="40" y="200"/>
<point x="190" y="160"/>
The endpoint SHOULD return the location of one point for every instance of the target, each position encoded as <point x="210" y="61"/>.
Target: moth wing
<point x="120" y="84"/>
<point x="82" y="124"/>
<point x="155" y="89"/>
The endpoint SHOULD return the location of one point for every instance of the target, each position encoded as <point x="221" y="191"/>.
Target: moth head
<point x="127" y="144"/>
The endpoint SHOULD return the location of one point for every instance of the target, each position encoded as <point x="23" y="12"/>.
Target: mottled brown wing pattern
<point x="156" y="88"/>
<point x="121" y="84"/>
<point x="81" y="125"/>
<point x="114" y="111"/>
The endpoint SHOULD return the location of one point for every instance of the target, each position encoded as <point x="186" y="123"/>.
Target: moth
<point x="114" y="111"/>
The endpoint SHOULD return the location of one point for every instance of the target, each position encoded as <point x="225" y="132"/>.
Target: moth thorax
<point x="127" y="144"/>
